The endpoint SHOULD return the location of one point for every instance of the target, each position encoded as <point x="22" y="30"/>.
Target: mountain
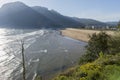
<point x="19" y="15"/>
<point x="91" y="22"/>
<point x="115" y="23"/>
<point x="57" y="17"/>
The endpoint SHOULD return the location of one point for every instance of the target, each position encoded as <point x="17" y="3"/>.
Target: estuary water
<point x="46" y="53"/>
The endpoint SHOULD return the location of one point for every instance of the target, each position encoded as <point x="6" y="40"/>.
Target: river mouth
<point x="46" y="52"/>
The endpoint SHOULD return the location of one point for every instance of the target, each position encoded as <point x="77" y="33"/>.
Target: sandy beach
<point x="81" y="34"/>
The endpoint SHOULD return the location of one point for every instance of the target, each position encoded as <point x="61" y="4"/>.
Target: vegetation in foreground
<point x="101" y="61"/>
<point x="106" y="67"/>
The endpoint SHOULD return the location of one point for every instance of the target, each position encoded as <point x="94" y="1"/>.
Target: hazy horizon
<point x="107" y="10"/>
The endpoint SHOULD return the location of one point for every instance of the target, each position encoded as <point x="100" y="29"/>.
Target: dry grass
<point x="81" y="34"/>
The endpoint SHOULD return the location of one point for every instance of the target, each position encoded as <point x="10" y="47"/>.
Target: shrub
<point x="112" y="72"/>
<point x="106" y="67"/>
<point x="98" y="43"/>
<point x="115" y="43"/>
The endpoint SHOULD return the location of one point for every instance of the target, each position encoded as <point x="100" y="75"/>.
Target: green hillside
<point x="106" y="67"/>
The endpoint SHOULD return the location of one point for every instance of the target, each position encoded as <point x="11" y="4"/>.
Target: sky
<point x="103" y="10"/>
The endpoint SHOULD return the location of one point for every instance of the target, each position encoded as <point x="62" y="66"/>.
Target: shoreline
<point x="81" y="34"/>
<point x="78" y="40"/>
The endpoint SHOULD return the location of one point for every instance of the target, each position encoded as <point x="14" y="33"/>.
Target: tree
<point x="23" y="60"/>
<point x="98" y="43"/>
